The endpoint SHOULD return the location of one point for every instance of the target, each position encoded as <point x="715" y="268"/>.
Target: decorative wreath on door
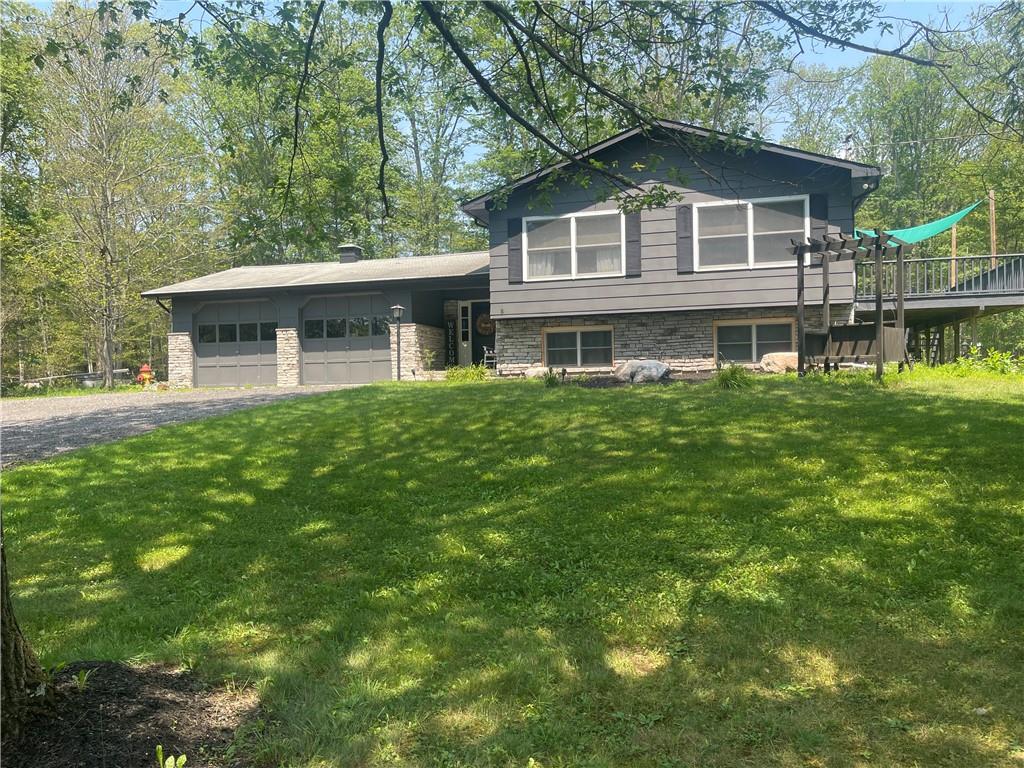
<point x="484" y="324"/>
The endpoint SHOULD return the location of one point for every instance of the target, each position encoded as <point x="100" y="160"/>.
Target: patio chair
<point x="490" y="358"/>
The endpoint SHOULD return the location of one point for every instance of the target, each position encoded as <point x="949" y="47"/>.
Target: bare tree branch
<point x="303" y="79"/>
<point x="382" y="27"/>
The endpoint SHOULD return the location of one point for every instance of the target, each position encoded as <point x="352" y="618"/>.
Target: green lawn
<point x="503" y="574"/>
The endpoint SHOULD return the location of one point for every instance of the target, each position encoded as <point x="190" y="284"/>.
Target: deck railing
<point x="962" y="276"/>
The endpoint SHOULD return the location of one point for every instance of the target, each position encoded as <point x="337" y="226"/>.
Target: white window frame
<point x="574" y="275"/>
<point x="750" y="203"/>
<point x="577" y="329"/>
<point x="754" y="322"/>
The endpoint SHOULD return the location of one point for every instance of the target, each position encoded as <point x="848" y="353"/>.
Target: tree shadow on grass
<point x="481" y="574"/>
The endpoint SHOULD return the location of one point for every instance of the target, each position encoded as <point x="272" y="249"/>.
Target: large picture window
<point x="577" y="246"/>
<point x="578" y="348"/>
<point x="747" y="234"/>
<point x="749" y="342"/>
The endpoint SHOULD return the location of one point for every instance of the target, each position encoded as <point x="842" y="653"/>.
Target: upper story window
<point x="749" y="233"/>
<point x="575" y="246"/>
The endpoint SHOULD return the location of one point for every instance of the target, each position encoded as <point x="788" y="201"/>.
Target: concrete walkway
<point x="35" y="428"/>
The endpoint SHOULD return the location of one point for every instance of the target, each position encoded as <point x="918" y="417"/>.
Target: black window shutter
<point x="819" y="216"/>
<point x="515" y="250"/>
<point x="632" y="244"/>
<point x="684" y="239"/>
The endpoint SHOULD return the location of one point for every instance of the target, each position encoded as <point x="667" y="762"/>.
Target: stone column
<point x="288" y="357"/>
<point x="180" y="359"/>
<point x="416" y="338"/>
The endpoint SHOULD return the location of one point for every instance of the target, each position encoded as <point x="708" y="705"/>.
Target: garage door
<point x="345" y="340"/>
<point x="236" y="344"/>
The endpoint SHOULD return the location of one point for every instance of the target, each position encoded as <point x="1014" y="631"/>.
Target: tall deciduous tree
<point x="119" y="173"/>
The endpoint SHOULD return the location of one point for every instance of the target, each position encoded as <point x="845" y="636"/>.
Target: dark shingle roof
<point x="331" y="273"/>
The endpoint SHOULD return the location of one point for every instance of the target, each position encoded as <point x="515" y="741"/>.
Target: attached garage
<point x="236" y="344"/>
<point x="345" y="339"/>
<point x="320" y="323"/>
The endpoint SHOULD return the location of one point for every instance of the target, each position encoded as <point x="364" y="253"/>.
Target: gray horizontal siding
<point x="659" y="286"/>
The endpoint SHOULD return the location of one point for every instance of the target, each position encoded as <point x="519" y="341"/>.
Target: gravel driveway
<point x="35" y="428"/>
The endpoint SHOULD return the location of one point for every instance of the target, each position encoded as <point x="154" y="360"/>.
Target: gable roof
<point x="478" y="206"/>
<point x="451" y="265"/>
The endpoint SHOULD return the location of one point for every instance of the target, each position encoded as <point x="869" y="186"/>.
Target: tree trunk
<point x="107" y="357"/>
<point x="21" y="673"/>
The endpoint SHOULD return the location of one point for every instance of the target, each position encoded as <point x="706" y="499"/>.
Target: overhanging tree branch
<point x="434" y="15"/>
<point x="382" y="26"/>
<point x="303" y="79"/>
<point x="801" y="27"/>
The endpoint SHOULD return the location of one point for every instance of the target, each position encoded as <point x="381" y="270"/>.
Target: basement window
<point x="578" y="348"/>
<point x="749" y="342"/>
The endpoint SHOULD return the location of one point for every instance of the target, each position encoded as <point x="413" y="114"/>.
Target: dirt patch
<point x="124" y="712"/>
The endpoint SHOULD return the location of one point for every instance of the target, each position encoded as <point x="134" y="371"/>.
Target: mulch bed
<point x="609" y="382"/>
<point x="124" y="712"/>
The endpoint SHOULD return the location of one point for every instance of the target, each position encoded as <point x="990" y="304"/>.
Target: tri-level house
<point x="571" y="281"/>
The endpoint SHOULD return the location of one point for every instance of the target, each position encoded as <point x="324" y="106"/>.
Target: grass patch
<point x="16" y="392"/>
<point x="791" y="574"/>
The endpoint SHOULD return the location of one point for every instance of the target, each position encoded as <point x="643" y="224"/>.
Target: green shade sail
<point x="924" y="231"/>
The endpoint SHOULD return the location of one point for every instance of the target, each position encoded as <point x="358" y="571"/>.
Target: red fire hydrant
<point x="145" y="377"/>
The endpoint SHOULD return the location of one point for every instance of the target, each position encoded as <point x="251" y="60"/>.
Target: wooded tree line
<point x="140" y="149"/>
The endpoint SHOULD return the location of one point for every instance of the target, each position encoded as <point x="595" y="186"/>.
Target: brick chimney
<point x="349" y="252"/>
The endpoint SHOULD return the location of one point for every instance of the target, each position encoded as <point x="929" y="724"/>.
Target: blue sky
<point x="934" y="14"/>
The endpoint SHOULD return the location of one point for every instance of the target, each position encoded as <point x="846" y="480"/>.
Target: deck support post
<point x="956" y="339"/>
<point x="901" y="315"/>
<point x="879" y="310"/>
<point x="942" y="345"/>
<point x="974" y="330"/>
<point x="826" y="301"/>
<point x="801" y="324"/>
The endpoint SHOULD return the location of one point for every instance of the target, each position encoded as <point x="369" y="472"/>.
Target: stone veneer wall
<point x="683" y="340"/>
<point x="416" y="338"/>
<point x="288" y="373"/>
<point x="180" y="360"/>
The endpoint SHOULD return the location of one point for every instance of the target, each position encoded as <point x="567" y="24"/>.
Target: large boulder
<point x="536" y="372"/>
<point x="638" y="371"/>
<point x="779" y="362"/>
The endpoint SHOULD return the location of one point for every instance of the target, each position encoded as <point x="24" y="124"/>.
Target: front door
<point x="483" y="330"/>
<point x="475" y="331"/>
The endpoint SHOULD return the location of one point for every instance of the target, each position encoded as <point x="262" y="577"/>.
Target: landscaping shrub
<point x="733" y="377"/>
<point x="552" y="378"/>
<point x="467" y="373"/>
<point x="995" y="361"/>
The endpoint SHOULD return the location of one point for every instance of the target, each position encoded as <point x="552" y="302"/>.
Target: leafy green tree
<point x="20" y="219"/>
<point x="119" y="175"/>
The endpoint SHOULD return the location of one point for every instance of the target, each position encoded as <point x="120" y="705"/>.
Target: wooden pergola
<point x="843" y="343"/>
